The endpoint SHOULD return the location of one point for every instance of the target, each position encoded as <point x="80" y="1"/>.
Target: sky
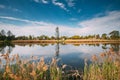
<point x="73" y="17"/>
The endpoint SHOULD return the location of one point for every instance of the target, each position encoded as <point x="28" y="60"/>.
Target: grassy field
<point x="106" y="66"/>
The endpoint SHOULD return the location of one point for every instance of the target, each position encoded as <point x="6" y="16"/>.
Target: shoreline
<point x="68" y="41"/>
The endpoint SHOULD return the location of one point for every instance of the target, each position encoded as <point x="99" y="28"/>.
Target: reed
<point x="106" y="66"/>
<point x="103" y="67"/>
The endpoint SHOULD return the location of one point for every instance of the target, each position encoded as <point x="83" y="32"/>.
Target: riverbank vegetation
<point x="9" y="36"/>
<point x="105" y="66"/>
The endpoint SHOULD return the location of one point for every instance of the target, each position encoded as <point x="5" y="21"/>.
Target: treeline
<point x="8" y="36"/>
<point x="112" y="35"/>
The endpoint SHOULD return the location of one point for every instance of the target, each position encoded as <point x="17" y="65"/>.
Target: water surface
<point x="72" y="55"/>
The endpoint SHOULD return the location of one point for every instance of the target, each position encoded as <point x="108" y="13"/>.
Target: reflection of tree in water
<point x="9" y="47"/>
<point x="115" y="47"/>
<point x="57" y="50"/>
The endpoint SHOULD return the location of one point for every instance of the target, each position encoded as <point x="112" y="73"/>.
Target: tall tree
<point x="57" y="33"/>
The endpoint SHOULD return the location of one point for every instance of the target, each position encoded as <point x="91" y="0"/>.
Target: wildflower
<point x="94" y="57"/>
<point x="23" y="70"/>
<point x="45" y="68"/>
<point x="11" y="75"/>
<point x="41" y="61"/>
<point x="33" y="73"/>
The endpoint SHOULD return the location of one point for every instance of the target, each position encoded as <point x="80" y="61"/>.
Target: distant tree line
<point x="112" y="35"/>
<point x="8" y="36"/>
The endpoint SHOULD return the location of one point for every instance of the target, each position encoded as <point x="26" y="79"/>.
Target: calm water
<point x="72" y="55"/>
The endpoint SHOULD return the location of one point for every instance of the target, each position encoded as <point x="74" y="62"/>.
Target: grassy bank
<point x="106" y="66"/>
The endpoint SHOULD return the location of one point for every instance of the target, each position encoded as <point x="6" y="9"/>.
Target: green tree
<point x="9" y="33"/>
<point x="114" y="34"/>
<point x="10" y="36"/>
<point x="104" y="36"/>
<point x="30" y="37"/>
<point x="97" y="36"/>
<point x="2" y="35"/>
<point x="63" y="37"/>
<point x="75" y="37"/>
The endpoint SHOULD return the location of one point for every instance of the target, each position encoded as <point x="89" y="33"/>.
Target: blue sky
<point x="73" y="17"/>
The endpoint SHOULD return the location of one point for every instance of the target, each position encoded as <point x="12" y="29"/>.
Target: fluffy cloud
<point x="97" y="25"/>
<point x="105" y="24"/>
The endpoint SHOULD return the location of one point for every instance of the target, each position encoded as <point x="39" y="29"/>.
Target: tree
<point x="57" y="33"/>
<point x="75" y="37"/>
<point x="104" y="36"/>
<point x="2" y="35"/>
<point x="63" y="37"/>
<point x="52" y="37"/>
<point x="9" y="33"/>
<point x="97" y="36"/>
<point x="30" y="37"/>
<point x="114" y="34"/>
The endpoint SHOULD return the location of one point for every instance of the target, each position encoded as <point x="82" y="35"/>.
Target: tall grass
<point x="106" y="66"/>
<point x="103" y="67"/>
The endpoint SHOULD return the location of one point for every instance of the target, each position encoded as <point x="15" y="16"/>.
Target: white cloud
<point x="61" y="5"/>
<point x="24" y="20"/>
<point x="70" y="3"/>
<point x="105" y="24"/>
<point x="2" y="6"/>
<point x="97" y="25"/>
<point x="44" y="1"/>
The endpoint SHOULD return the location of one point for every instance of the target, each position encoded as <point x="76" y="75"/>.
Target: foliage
<point x="114" y="34"/>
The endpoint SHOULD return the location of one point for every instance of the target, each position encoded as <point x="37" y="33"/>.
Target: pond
<point x="69" y="54"/>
